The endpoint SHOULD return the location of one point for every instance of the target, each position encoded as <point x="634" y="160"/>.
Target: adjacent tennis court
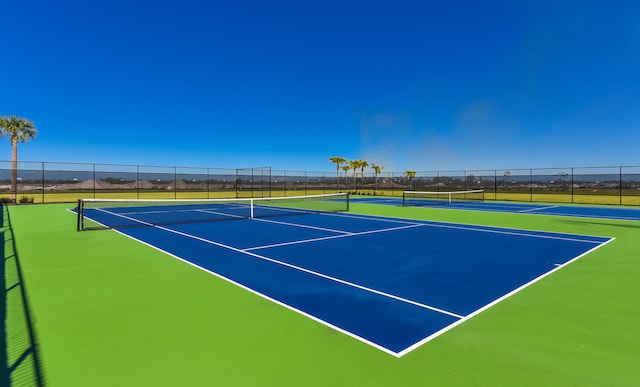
<point x="474" y="200"/>
<point x="391" y="283"/>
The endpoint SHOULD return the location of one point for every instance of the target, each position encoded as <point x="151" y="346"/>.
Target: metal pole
<point x="393" y="186"/>
<point x="531" y="184"/>
<point x="42" y="182"/>
<point x="572" y="180"/>
<point x="324" y="182"/>
<point x="465" y="180"/>
<point x="620" y="185"/>
<point x="208" y="182"/>
<point x="80" y="209"/>
<point x="94" y="180"/>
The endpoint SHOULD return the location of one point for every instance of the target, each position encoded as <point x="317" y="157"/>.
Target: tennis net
<point x="423" y="198"/>
<point x="120" y="213"/>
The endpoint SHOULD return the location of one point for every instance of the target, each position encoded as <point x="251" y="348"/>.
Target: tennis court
<point x="462" y="200"/>
<point x="388" y="282"/>
<point x="109" y="310"/>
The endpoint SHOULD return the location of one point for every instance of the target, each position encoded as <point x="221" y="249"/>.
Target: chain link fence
<point x="54" y="182"/>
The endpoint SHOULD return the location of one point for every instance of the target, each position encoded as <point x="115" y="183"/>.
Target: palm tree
<point x="18" y="130"/>
<point x="354" y="164"/>
<point x="376" y="170"/>
<point x="410" y="175"/>
<point x="338" y="161"/>
<point x="362" y="164"/>
<point x="346" y="169"/>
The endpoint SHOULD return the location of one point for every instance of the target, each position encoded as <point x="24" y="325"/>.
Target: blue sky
<point x="421" y="85"/>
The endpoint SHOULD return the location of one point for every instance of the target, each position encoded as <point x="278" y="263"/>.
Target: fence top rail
<point x="127" y="165"/>
<point x="434" y="173"/>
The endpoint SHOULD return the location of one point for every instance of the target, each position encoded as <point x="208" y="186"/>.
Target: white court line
<point x="487" y="229"/>
<point x="284" y="305"/>
<point x="125" y="217"/>
<point x="504" y="231"/>
<point x="594" y="216"/>
<point x="222" y="214"/>
<point x="303" y="226"/>
<point x="372" y="218"/>
<point x="299" y="268"/>
<point x="234" y="207"/>
<point x="461" y="319"/>
<point x="332" y="237"/>
<point x="537" y="209"/>
<point x="335" y="279"/>
<point x="489" y="305"/>
<point x="510" y="209"/>
<point x="524" y="233"/>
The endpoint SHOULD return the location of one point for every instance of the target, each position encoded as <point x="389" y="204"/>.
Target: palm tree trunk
<point x="14" y="171"/>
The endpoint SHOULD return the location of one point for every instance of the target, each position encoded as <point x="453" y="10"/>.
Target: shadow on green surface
<point x="19" y="355"/>
<point x="628" y="224"/>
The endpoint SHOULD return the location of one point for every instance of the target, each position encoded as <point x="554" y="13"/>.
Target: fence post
<point x="324" y="182"/>
<point x="572" y="180"/>
<point x="464" y="185"/>
<point x="620" y="185"/>
<point x="495" y="184"/>
<point x="94" y="180"/>
<point x="138" y="181"/>
<point x="208" y="181"/>
<point x="43" y="182"/>
<point x="393" y="185"/>
<point x="531" y="184"/>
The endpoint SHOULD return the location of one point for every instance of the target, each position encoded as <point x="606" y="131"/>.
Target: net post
<point x="80" y="208"/>
<point x="404" y="193"/>
<point x="347" y="201"/>
<point x="251" y="207"/>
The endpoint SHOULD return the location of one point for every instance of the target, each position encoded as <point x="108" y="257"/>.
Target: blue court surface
<point x="391" y="283"/>
<point x="582" y="211"/>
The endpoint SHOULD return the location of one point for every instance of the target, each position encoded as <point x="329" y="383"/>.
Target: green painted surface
<point x="109" y="311"/>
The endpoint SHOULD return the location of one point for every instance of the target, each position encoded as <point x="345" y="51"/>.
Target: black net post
<point x="80" y="210"/>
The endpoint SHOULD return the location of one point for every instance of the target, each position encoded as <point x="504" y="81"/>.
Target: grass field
<point x="108" y="311"/>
